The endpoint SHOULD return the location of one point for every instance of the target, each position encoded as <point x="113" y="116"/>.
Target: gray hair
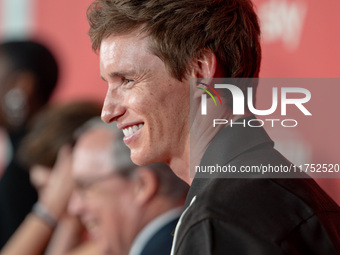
<point x="170" y="184"/>
<point x="121" y="152"/>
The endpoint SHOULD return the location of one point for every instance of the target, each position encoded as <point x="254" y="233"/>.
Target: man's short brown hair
<point x="181" y="30"/>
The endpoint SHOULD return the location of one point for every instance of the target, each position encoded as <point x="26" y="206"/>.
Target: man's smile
<point x="128" y="131"/>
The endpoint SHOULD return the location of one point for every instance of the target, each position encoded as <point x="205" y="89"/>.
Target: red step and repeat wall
<point x="300" y="38"/>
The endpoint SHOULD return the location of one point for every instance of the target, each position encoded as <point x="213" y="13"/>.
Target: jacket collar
<point x="229" y="143"/>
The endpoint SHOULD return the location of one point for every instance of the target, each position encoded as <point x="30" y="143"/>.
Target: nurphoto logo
<point x="204" y="97"/>
<point x="283" y="95"/>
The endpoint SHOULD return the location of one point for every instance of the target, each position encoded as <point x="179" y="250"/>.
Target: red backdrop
<point x="300" y="39"/>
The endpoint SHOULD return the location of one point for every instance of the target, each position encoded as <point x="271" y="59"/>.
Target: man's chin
<point x="146" y="156"/>
<point x="138" y="158"/>
<point x="144" y="159"/>
<point x="139" y="161"/>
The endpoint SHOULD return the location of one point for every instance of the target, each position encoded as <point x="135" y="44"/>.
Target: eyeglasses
<point x="83" y="187"/>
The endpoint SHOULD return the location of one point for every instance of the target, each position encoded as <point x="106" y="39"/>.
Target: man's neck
<point x="180" y="164"/>
<point x="195" y="146"/>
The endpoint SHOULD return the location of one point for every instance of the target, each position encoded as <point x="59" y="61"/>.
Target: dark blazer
<point x="161" y="241"/>
<point x="17" y="194"/>
<point x="255" y="216"/>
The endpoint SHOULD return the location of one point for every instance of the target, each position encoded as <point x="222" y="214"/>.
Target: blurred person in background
<point x="48" y="225"/>
<point x="127" y="209"/>
<point x="153" y="56"/>
<point x="28" y="77"/>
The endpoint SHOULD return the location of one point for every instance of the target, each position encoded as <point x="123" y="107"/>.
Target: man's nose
<point x="112" y="107"/>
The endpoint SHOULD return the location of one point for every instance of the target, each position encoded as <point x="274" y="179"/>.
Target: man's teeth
<point x="130" y="130"/>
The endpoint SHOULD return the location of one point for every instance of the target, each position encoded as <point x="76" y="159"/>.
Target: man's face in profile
<point x="150" y="106"/>
<point x="102" y="198"/>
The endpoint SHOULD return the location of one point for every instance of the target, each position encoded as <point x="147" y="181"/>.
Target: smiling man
<point x="141" y="81"/>
<point x="127" y="209"/>
<point x="153" y="56"/>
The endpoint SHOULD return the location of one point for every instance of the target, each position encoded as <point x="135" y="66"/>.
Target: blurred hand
<point x="60" y="184"/>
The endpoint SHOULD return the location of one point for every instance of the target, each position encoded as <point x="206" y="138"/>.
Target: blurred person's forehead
<point x="93" y="155"/>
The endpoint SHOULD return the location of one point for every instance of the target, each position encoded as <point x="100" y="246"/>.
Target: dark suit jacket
<point x="256" y="216"/>
<point x="160" y="243"/>
<point x="17" y="194"/>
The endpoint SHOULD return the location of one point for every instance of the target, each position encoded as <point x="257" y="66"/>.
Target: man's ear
<point x="205" y="66"/>
<point x="204" y="69"/>
<point x="146" y="185"/>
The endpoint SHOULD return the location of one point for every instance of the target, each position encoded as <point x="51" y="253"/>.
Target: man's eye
<point x="127" y="81"/>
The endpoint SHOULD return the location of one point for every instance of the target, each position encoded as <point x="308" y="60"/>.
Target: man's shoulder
<point x="270" y="211"/>
<point x="249" y="200"/>
<point x="161" y="242"/>
<point x="283" y="201"/>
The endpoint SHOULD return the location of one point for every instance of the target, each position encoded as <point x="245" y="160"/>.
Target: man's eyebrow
<point x="119" y="74"/>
